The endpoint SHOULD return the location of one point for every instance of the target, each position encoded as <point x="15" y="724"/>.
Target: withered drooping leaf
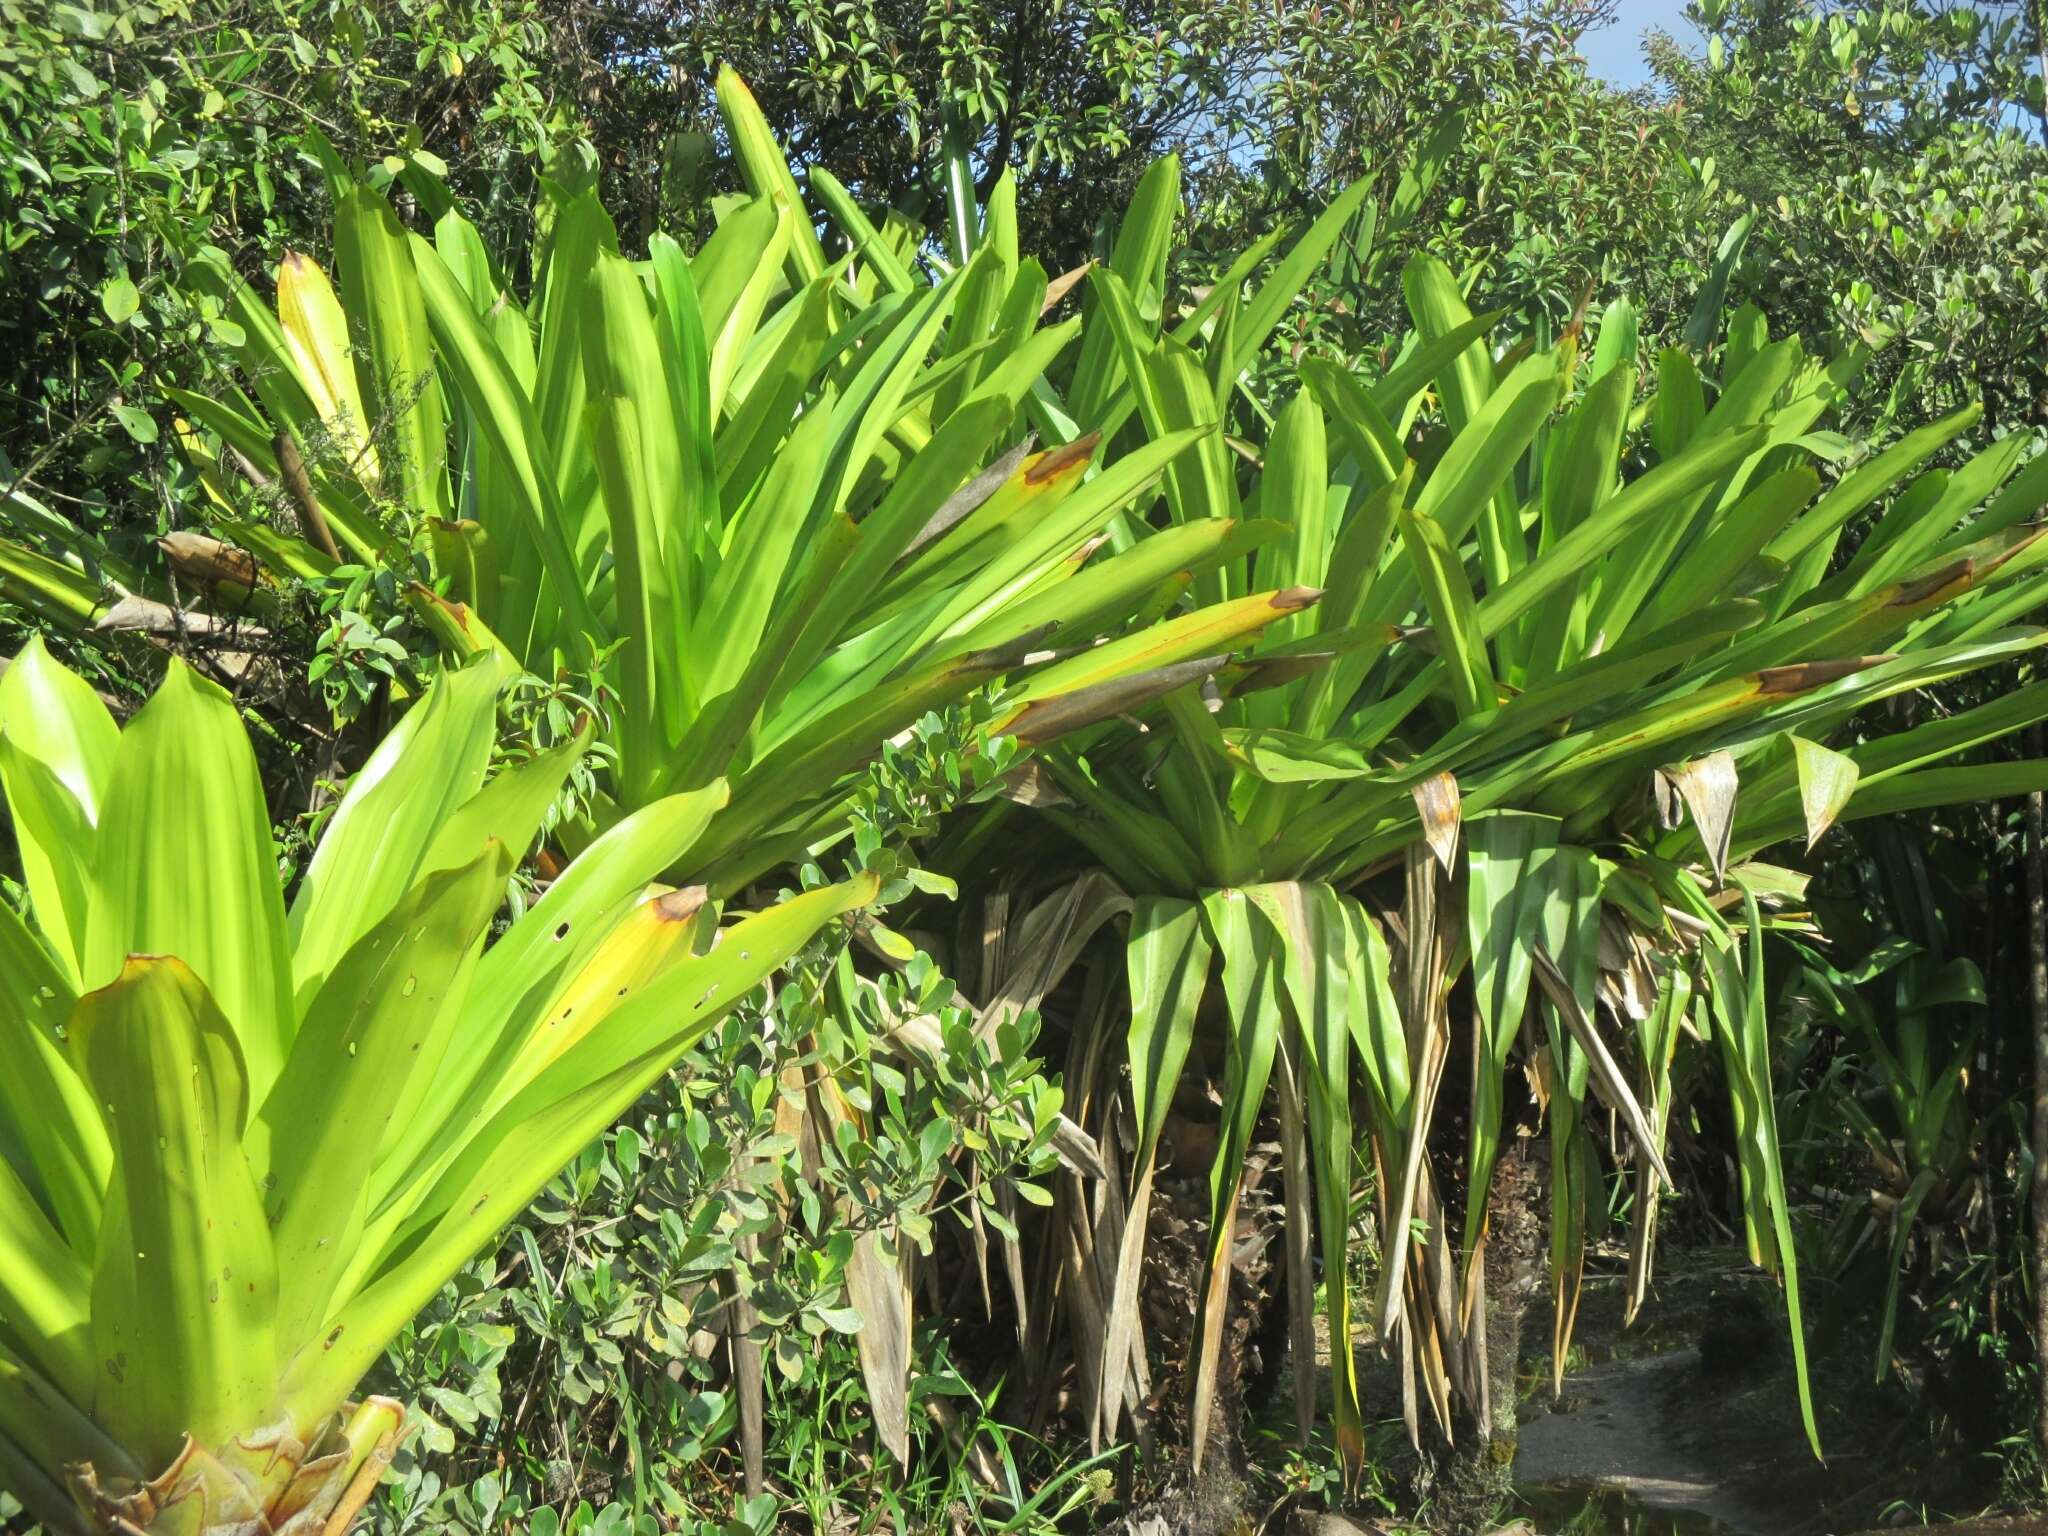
<point x="1707" y="785"/>
<point x="1438" y="803"/>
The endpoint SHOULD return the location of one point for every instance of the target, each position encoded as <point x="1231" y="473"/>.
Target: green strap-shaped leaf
<point x="1705" y="322"/>
<point x="511" y="808"/>
<point x="982" y="292"/>
<point x="736" y="274"/>
<point x="1168" y="964"/>
<point x="581" y="230"/>
<point x="185" y="1282"/>
<point x="757" y="426"/>
<point x="807" y="764"/>
<point x="1448" y="593"/>
<point x="1618" y="332"/>
<point x="462" y="246"/>
<point x="872" y="402"/>
<point x="1205" y="632"/>
<point x="1194" y="784"/>
<point x="1324" y="966"/>
<point x="1249" y="947"/>
<point x="183" y="866"/>
<point x="1483" y="453"/>
<point x="1355" y="561"/>
<point x="1068" y="510"/>
<point x="1138" y="260"/>
<point x="1732" y="543"/>
<point x="317" y="1134"/>
<point x="923" y="487"/>
<point x="868" y="242"/>
<point x="1507" y="885"/>
<point x="44" y="1107"/>
<point x="1378" y="1033"/>
<point x="1101" y="597"/>
<point x="766" y="171"/>
<point x="1295" y="489"/>
<point x="507" y="1160"/>
<point x="52" y="831"/>
<point x="382" y="297"/>
<point x="1571" y="935"/>
<point x="1818" y="529"/>
<point x="1745" y="1036"/>
<point x="428" y="767"/>
<point x="1147" y="852"/>
<point x="693" y="533"/>
<point x="41" y="1431"/>
<point x="1918" y="790"/>
<point x="525" y="968"/>
<point x="499" y="407"/>
<point x="45" y="1291"/>
<point x="48" y="586"/>
<point x="58" y="754"/>
<point x="1290" y="275"/>
<point x="1439" y="309"/>
<point x="2023" y="495"/>
<point x="1372" y="440"/>
<point x="1902" y="541"/>
<point x="765" y="593"/>
<point x="1579" y="476"/>
<point x="52" y="713"/>
<point x="631" y="415"/>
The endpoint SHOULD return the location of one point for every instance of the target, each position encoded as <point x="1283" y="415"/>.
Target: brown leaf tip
<point x="1923" y="587"/>
<point x="1067" y="456"/>
<point x="1012" y="653"/>
<point x="680" y="906"/>
<point x="1803" y="675"/>
<point x="1293" y="599"/>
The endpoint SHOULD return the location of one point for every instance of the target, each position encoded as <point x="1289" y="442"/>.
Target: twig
<point x="292" y="469"/>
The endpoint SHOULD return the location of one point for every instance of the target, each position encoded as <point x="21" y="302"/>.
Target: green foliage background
<point x="1889" y="159"/>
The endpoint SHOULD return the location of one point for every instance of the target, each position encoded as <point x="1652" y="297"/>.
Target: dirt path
<point x="1612" y="1431"/>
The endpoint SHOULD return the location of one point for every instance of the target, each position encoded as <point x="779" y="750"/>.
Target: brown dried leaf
<point x="967" y="499"/>
<point x="1438" y="803"/>
<point x="1707" y="785"/>
<point x="1061" y="286"/>
<point x="1028" y="784"/>
<point x="213" y="561"/>
<point x="880" y="1290"/>
<point x="1608" y="1081"/>
<point x="1295" y="1181"/>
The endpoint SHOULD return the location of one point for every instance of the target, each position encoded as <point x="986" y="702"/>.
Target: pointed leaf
<point x="185" y="1281"/>
<point x="183" y="866"/>
<point x="1826" y="780"/>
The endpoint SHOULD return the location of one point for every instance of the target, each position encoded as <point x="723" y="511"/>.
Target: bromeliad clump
<point x="246" y="1141"/>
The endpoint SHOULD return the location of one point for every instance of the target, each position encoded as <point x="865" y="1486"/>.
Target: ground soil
<point x="1685" y="1424"/>
<point x="1691" y="1418"/>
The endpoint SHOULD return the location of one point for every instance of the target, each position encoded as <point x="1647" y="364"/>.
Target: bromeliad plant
<point x="245" y="1140"/>
<point x="1561" y="621"/>
<point x="780" y="498"/>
